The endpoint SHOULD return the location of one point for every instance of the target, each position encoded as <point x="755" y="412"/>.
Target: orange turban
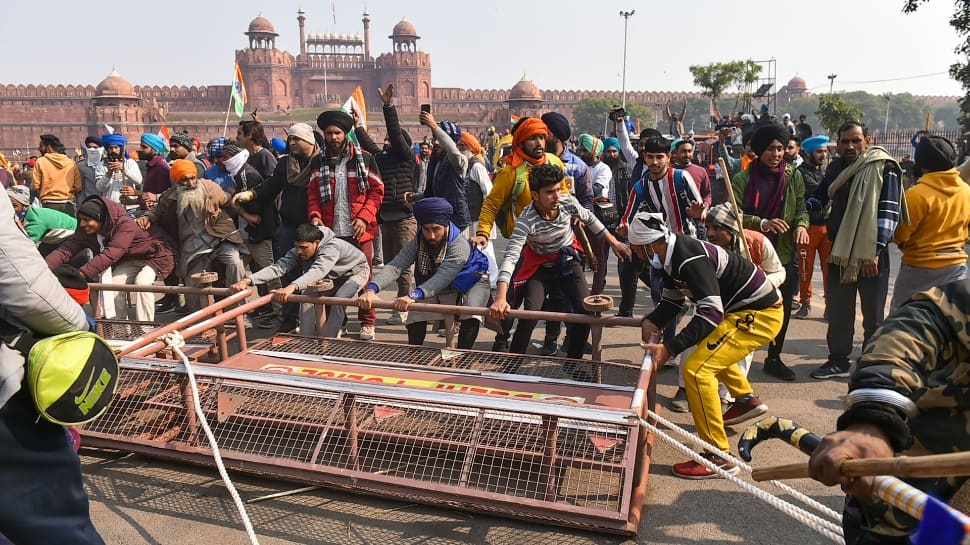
<point x="527" y="128"/>
<point x="469" y="140"/>
<point x="182" y="168"/>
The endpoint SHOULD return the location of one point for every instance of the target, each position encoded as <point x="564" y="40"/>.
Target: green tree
<point x="833" y="111"/>
<point x="746" y="74"/>
<point x="714" y="78"/>
<point x="590" y="114"/>
<point x="960" y="70"/>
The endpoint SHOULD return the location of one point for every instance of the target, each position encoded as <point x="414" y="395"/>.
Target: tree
<point x="747" y="74"/>
<point x="832" y="112"/>
<point x="714" y="78"/>
<point x="960" y="71"/>
<point x="590" y="114"/>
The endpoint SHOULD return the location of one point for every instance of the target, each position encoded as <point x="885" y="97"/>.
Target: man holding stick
<point x="910" y="394"/>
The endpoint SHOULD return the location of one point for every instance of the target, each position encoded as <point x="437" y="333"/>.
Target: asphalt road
<point x="136" y="499"/>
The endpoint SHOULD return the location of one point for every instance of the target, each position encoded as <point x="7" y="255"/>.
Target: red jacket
<point x="364" y="205"/>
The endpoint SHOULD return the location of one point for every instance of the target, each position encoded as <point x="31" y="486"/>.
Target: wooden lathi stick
<point x="734" y="204"/>
<point x="933" y="465"/>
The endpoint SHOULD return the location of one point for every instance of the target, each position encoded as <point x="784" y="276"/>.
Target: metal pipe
<point x="183" y="322"/>
<point x="198" y="328"/>
<point x="477" y="311"/>
<point x="183" y="290"/>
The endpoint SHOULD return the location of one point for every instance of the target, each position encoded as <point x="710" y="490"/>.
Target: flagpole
<point x="225" y="126"/>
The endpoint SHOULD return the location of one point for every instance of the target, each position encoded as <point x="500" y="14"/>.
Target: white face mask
<point x="235" y="163"/>
<point x="655" y="261"/>
<point x="94" y="155"/>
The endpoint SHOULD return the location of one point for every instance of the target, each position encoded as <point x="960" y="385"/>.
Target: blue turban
<point x="558" y="125"/>
<point x="815" y="142"/>
<point x="612" y="142"/>
<point x="675" y="143"/>
<point x="278" y="144"/>
<point x="153" y="141"/>
<point x="452" y="129"/>
<point x="114" y="140"/>
<point x="217" y="145"/>
<point x="433" y="210"/>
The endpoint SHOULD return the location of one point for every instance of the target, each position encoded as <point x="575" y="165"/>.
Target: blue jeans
<point x="41" y="491"/>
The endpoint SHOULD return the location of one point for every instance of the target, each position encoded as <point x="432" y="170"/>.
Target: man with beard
<point x="121" y="171"/>
<point x="182" y="146"/>
<point x="550" y="256"/>
<point x="397" y="165"/>
<point x="871" y="180"/>
<point x="447" y="169"/>
<point x="575" y="168"/>
<point x="123" y="254"/>
<point x="345" y="194"/>
<point x="448" y="271"/>
<point x="57" y="180"/>
<point x="317" y="255"/>
<point x="289" y="182"/>
<point x="816" y="154"/>
<point x="793" y="151"/>
<point x="619" y="170"/>
<point x="682" y="157"/>
<point x="771" y="194"/>
<point x="510" y="195"/>
<point x="157" y="176"/>
<point x="589" y="150"/>
<point x="193" y="211"/>
<point x="421" y="170"/>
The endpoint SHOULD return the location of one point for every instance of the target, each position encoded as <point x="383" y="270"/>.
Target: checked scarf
<point x="329" y="166"/>
<point x="427" y="263"/>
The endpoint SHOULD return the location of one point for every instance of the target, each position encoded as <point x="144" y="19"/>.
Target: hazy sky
<point x="577" y="45"/>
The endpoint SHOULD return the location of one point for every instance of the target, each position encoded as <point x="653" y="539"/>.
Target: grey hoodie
<point x="335" y="259"/>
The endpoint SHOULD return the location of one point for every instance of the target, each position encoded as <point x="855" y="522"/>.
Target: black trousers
<point x="788" y="289"/>
<point x="41" y="491"/>
<point x="574" y="288"/>
<point x="872" y="293"/>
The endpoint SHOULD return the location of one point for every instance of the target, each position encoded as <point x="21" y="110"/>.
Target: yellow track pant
<point x="715" y="359"/>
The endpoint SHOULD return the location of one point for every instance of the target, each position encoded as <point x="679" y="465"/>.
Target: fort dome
<point x="262" y="24"/>
<point x="404" y="28"/>
<point x="797" y="83"/>
<point x="525" y="90"/>
<point x="115" y="86"/>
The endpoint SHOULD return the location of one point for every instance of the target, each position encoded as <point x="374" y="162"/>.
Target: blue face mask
<point x="22" y="215"/>
<point x="656" y="263"/>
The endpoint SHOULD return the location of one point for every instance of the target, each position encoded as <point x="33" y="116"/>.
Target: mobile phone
<point x="426" y="108"/>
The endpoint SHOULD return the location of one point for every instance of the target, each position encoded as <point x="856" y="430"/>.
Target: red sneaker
<point x="694" y="470"/>
<point x="744" y="408"/>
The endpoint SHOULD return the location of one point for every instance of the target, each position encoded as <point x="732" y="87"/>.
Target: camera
<point x="616" y="113"/>
<point x="113" y="157"/>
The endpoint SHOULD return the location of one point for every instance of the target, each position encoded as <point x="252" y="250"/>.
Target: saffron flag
<point x="356" y="104"/>
<point x="514" y="118"/>
<point x="165" y="134"/>
<point x="239" y="98"/>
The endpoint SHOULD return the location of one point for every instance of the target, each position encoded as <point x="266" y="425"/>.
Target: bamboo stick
<point x="933" y="465"/>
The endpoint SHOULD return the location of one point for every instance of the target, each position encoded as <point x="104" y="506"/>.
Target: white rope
<point x="811" y="502"/>
<point x="820" y="525"/>
<point x="175" y="341"/>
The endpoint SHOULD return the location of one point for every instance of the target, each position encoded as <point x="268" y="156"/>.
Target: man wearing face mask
<point x="92" y="167"/>
<point x="121" y="172"/>
<point x="738" y="310"/>
<point x="194" y="210"/>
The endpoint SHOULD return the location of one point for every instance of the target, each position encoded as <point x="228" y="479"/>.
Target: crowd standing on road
<point x="729" y="250"/>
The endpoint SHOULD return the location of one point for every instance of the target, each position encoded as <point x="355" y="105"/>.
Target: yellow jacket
<point x="501" y="193"/>
<point x="939" y="211"/>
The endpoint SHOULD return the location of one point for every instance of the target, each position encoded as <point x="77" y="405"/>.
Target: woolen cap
<point x="935" y="154"/>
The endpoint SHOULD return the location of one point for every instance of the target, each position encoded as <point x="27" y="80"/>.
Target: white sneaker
<point x="366" y="333"/>
<point x="397" y="318"/>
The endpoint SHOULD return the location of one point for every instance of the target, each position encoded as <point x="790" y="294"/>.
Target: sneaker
<point x="803" y="312"/>
<point x="267" y="322"/>
<point x="397" y="318"/>
<point x="795" y="305"/>
<point x="745" y="408"/>
<point x="366" y="333"/>
<point x="694" y="470"/>
<point x="182" y="310"/>
<point x="167" y="303"/>
<point x="500" y="346"/>
<point x="678" y="403"/>
<point x="831" y="369"/>
<point x="776" y="368"/>
<point x="549" y="348"/>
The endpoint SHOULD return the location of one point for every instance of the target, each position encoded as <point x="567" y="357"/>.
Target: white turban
<point x="647" y="227"/>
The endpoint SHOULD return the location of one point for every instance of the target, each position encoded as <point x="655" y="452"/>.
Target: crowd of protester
<point x="726" y="249"/>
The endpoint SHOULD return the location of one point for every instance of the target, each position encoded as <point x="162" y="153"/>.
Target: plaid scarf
<point x="329" y="166"/>
<point x="426" y="263"/>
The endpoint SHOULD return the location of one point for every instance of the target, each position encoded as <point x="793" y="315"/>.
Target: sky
<point x="566" y="45"/>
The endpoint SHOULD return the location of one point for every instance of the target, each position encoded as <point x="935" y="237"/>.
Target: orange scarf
<point x="526" y="130"/>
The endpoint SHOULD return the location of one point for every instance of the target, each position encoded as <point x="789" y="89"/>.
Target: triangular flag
<point x="109" y="128"/>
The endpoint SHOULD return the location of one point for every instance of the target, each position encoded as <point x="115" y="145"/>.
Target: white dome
<point x="343" y="35"/>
